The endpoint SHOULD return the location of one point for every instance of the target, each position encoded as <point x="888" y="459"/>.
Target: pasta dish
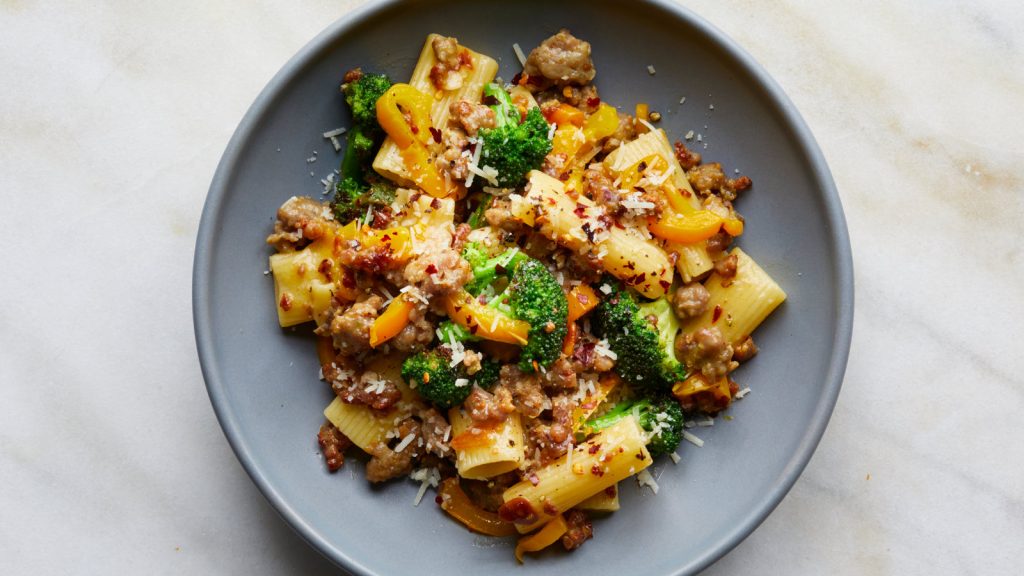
<point x="522" y="296"/>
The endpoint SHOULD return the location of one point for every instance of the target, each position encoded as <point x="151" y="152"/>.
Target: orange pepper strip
<point x="582" y="299"/>
<point x="564" y="114"/>
<point x="455" y="502"/>
<point x="397" y="238"/>
<point x="484" y="321"/>
<point x="392" y="321"/>
<point x="570" y="339"/>
<point x="700" y="225"/>
<point x="543" y="538"/>
<point x="734" y="226"/>
<point x="471" y="439"/>
<point x="411" y="138"/>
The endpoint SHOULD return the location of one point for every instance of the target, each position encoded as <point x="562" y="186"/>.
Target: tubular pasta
<point x="637" y="261"/>
<point x="602" y="501"/>
<point x="388" y="161"/>
<point x="499" y="449"/>
<point x="303" y="284"/>
<point x="694" y="260"/>
<point x="620" y="452"/>
<point x="743" y="303"/>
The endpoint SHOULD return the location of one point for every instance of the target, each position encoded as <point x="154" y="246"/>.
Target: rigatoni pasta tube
<point x="304" y="281"/>
<point x="638" y="262"/>
<point x="608" y="457"/>
<point x="389" y="162"/>
<point x="693" y="260"/>
<point x="491" y="451"/>
<point x="738" y="305"/>
<point x="364" y="427"/>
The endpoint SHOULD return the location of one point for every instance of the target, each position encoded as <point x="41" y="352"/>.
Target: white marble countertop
<point x="111" y="460"/>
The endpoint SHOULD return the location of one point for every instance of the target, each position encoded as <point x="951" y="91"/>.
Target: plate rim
<point x="778" y="101"/>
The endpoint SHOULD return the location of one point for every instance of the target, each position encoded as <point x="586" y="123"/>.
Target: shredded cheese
<point x="693" y="439"/>
<point x="519" y="54"/>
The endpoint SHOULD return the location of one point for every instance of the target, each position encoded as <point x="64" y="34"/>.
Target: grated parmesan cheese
<point x="650" y="69"/>
<point x="675" y="457"/>
<point x="644" y="478"/>
<point x="405" y="442"/>
<point x="472" y="166"/>
<point x="693" y="439"/>
<point x="519" y="54"/>
<point x="742" y="393"/>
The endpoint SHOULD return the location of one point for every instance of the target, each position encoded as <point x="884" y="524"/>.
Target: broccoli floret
<point x="435" y="380"/>
<point x="443" y="385"/>
<point x="645" y="351"/>
<point x="488" y="374"/>
<point x="661" y="417"/>
<point x="486" y="269"/>
<point x="536" y="297"/>
<point x="355" y="191"/>
<point x="353" y="196"/>
<point x="448" y="331"/>
<point x="513" y="148"/>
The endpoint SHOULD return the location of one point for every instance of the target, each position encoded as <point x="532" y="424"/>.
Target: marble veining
<point x="916" y="106"/>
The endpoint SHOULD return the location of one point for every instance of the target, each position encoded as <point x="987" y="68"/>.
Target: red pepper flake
<point x="549" y="508"/>
<point x="517" y="79"/>
<point x="580" y="210"/>
<point x="436" y="134"/>
<point x="593" y="101"/>
<point x="385" y="238"/>
<point x="473" y="329"/>
<point x="716" y="314"/>
<point x="582" y="298"/>
<point x="438" y="499"/>
<point x="325" y="268"/>
<point x="415" y="129"/>
<point x="435" y="203"/>
<point x="593" y="449"/>
<point x="664" y="284"/>
<point x="286" y="301"/>
<point x="630" y="265"/>
<point x="431" y="269"/>
<point x="596" y="470"/>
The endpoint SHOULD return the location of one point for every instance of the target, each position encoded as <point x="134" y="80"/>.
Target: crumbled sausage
<point x="744" y="350"/>
<point x="706" y="351"/>
<point x="599" y="186"/>
<point x="485" y="407"/>
<point x="451" y="58"/>
<point x="718" y="243"/>
<point x="561" y="59"/>
<point x="726" y="267"/>
<point x="433" y="428"/>
<point x="299" y="219"/>
<point x="560" y="376"/>
<point x="686" y="158"/>
<point x="471" y="362"/>
<point x="580" y="529"/>
<point x="369" y="389"/>
<point x="438" y="271"/>
<point x="473" y="116"/>
<point x="709" y="179"/>
<point x="333" y="445"/>
<point x="488" y="494"/>
<point x="386" y="464"/>
<point x="350" y="327"/>
<point x="690" y="301"/>
<point x="527" y="395"/>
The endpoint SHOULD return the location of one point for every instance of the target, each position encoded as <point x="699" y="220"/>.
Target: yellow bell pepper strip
<point x="733" y="226"/>
<point x="392" y="321"/>
<point x="589" y="405"/>
<point x="632" y="175"/>
<point x="568" y="140"/>
<point x="397" y="238"/>
<point x="411" y="137"/>
<point x="698" y="391"/>
<point x="694" y="227"/>
<point x="484" y="321"/>
<point x="546" y="536"/>
<point x="582" y="299"/>
<point x="601" y="124"/>
<point x="564" y="114"/>
<point x="455" y="502"/>
<point x="642" y="111"/>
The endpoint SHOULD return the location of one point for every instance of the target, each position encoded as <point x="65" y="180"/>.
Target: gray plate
<point x="262" y="380"/>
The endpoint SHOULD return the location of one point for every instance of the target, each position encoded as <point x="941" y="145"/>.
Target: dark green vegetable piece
<point x="435" y="379"/>
<point x="536" y="297"/>
<point x="661" y="417"/>
<point x="486" y="269"/>
<point x="355" y="190"/>
<point x="441" y="384"/>
<point x="645" y="352"/>
<point x="513" y="148"/>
